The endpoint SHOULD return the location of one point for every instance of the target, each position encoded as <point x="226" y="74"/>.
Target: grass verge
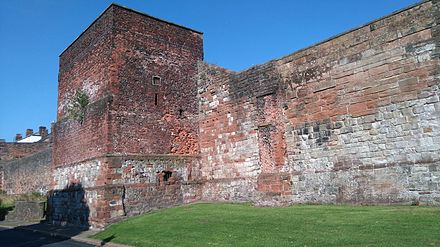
<point x="205" y="224"/>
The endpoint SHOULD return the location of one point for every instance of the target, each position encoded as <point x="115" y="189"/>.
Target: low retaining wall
<point x="27" y="211"/>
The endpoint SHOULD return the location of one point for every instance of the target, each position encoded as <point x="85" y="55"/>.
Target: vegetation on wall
<point x="78" y="107"/>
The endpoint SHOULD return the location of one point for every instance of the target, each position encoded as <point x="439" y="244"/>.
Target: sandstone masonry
<point x="353" y="119"/>
<point x="25" y="167"/>
<point x="137" y="148"/>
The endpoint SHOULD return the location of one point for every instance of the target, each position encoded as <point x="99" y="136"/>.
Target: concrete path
<point x="26" y="234"/>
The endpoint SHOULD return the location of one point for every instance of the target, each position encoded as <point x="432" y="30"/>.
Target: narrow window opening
<point x="156" y="80"/>
<point x="164" y="178"/>
<point x="155" y="99"/>
<point x="2" y="180"/>
<point x="167" y="175"/>
<point x="180" y="112"/>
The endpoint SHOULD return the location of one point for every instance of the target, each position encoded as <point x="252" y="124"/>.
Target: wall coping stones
<point x="134" y="157"/>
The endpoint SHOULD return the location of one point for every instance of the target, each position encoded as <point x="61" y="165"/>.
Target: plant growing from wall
<point x="78" y="107"/>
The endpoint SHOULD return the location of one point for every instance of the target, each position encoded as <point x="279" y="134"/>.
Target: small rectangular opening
<point x="167" y="175"/>
<point x="156" y="80"/>
<point x="155" y="99"/>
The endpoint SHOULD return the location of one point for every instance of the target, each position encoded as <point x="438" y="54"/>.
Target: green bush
<point x="77" y="108"/>
<point x="7" y="200"/>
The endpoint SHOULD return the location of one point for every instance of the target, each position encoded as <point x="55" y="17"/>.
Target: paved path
<point x="24" y="238"/>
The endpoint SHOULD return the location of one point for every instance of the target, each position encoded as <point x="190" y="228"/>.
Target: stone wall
<point x="353" y="119"/>
<point x="228" y="138"/>
<point x="28" y="174"/>
<point x="13" y="150"/>
<point x="81" y="193"/>
<point x="159" y="181"/>
<point x="98" y="191"/>
<point x="155" y="96"/>
<point x="85" y="66"/>
<point x="25" y="211"/>
<point x="138" y="73"/>
<point x="75" y="141"/>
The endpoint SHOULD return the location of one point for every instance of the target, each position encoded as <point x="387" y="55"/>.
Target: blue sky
<point x="237" y="35"/>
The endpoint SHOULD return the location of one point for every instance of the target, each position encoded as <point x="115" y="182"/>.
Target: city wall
<point x="354" y="119"/>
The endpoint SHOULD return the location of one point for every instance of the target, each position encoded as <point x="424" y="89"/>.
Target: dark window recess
<point x="167" y="175"/>
<point x="156" y="80"/>
<point x="155" y="99"/>
<point x="158" y="177"/>
<point x="180" y="112"/>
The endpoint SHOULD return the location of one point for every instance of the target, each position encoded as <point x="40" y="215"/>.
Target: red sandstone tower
<point x="126" y="137"/>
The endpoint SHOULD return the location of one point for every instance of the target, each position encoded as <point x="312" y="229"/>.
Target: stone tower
<point x="126" y="137"/>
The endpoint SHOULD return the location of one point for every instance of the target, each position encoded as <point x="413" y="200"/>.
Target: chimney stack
<point x="42" y="131"/>
<point x="29" y="132"/>
<point x="18" y="137"/>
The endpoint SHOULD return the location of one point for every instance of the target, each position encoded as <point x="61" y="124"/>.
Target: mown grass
<point x="207" y="224"/>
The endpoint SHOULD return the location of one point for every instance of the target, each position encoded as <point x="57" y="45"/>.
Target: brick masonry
<point x="137" y="148"/>
<point x="353" y="119"/>
<point x="114" y="63"/>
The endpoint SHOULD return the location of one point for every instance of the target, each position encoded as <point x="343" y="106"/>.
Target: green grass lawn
<point x="207" y="224"/>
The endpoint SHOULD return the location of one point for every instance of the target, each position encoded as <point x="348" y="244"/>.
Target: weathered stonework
<point x="353" y="119"/>
<point x="85" y="173"/>
<point x="28" y="174"/>
<point x="10" y="151"/>
<point x="350" y="120"/>
<point x="111" y="187"/>
<point x="25" y="211"/>
<point x="155" y="182"/>
<point x="82" y="196"/>
<point x="136" y="148"/>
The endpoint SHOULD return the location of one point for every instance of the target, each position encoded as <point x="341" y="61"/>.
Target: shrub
<point x="78" y="107"/>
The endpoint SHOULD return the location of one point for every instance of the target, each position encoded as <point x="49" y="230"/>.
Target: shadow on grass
<point x="108" y="239"/>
